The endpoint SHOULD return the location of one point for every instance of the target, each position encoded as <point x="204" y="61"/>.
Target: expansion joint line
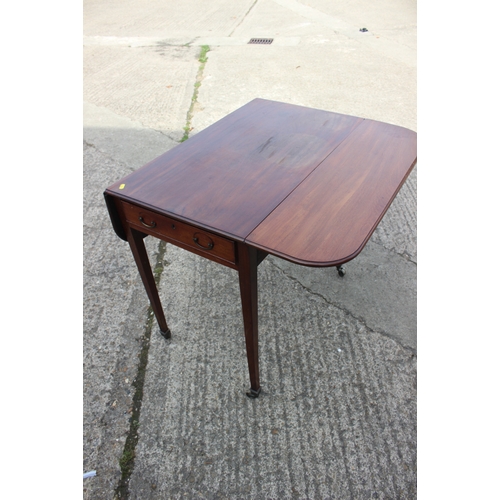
<point x="128" y="455"/>
<point x="343" y="309"/>
<point x="202" y="60"/>
<point x="243" y="18"/>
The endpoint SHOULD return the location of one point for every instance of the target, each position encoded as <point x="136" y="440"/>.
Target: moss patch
<point x="127" y="459"/>
<point x="202" y="58"/>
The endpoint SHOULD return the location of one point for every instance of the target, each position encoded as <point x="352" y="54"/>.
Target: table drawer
<point x="202" y="241"/>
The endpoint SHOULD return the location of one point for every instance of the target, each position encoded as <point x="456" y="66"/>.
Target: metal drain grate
<point x="261" y="41"/>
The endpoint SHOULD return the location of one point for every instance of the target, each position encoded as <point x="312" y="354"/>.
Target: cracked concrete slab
<point x="397" y="231"/>
<point x="374" y="86"/>
<point x="160" y="18"/>
<point x="114" y="315"/>
<point x="121" y="138"/>
<point x="349" y="19"/>
<point x="149" y="85"/>
<point x="379" y="290"/>
<point x="388" y="18"/>
<point x="335" y="416"/>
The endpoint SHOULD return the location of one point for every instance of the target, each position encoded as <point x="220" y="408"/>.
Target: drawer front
<point x="203" y="242"/>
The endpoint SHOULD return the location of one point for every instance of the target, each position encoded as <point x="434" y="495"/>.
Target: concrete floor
<point x="337" y="416"/>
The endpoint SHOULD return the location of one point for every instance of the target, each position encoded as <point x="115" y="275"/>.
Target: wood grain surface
<point x="304" y="184"/>
<point x="231" y="175"/>
<point x="329" y="218"/>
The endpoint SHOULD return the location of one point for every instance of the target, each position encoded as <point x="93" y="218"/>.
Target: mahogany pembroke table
<point x="306" y="185"/>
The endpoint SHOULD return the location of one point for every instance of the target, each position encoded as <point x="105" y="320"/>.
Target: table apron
<point x="189" y="237"/>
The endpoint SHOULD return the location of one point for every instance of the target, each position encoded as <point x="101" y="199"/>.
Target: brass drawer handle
<point x="208" y="247"/>
<point x="153" y="223"/>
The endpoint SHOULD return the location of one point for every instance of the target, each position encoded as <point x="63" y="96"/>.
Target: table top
<point x="304" y="184"/>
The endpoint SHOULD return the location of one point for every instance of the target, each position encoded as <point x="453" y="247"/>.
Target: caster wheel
<point x="166" y="334"/>
<point x="341" y="271"/>
<point x="253" y="394"/>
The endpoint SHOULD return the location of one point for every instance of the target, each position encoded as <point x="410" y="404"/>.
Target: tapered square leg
<point x="247" y="269"/>
<point x="136" y="242"/>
